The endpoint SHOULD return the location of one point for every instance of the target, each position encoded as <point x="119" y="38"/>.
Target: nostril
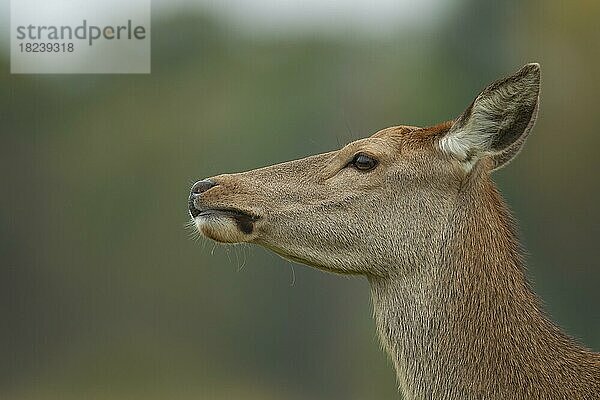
<point x="202" y="186"/>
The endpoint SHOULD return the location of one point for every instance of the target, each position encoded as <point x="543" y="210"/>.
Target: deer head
<point x="416" y="212"/>
<point x="373" y="206"/>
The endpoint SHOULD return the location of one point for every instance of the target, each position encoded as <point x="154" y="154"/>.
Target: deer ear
<point x="498" y="121"/>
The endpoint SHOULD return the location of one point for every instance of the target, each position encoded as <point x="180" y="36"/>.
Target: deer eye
<point x="363" y="162"/>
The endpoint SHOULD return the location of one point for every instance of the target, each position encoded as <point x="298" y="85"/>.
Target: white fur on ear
<point x="499" y="118"/>
<point x="468" y="141"/>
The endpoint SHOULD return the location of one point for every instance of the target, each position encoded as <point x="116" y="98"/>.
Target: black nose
<point x="202" y="186"/>
<point x="197" y="189"/>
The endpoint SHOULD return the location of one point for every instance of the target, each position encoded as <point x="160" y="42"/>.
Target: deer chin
<point x="226" y="225"/>
<point x="305" y="260"/>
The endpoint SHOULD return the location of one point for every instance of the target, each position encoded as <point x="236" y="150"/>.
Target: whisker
<point x="227" y="254"/>
<point x="244" y="248"/>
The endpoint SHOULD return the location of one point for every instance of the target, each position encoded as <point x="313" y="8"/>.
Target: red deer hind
<point x="416" y="212"/>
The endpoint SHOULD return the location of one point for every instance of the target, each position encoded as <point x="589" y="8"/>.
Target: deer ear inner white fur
<point x="498" y="120"/>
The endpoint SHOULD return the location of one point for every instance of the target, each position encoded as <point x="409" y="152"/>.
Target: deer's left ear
<point x="498" y="121"/>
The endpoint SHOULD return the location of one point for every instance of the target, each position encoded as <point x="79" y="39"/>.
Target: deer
<point x="415" y="211"/>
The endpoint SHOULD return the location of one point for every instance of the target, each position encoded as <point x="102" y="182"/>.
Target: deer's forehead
<point x="385" y="141"/>
<point x="372" y="145"/>
<point x="395" y="132"/>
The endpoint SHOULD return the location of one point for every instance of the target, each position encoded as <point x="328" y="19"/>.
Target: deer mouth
<point x="243" y="219"/>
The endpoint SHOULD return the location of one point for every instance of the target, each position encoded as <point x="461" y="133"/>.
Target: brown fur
<point x="431" y="233"/>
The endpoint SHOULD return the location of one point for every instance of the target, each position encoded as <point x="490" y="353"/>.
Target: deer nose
<point x="197" y="189"/>
<point x="202" y="186"/>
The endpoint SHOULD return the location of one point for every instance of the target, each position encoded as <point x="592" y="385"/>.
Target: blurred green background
<point x="106" y="295"/>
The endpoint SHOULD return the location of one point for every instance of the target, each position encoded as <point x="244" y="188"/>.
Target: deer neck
<point x="464" y="323"/>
